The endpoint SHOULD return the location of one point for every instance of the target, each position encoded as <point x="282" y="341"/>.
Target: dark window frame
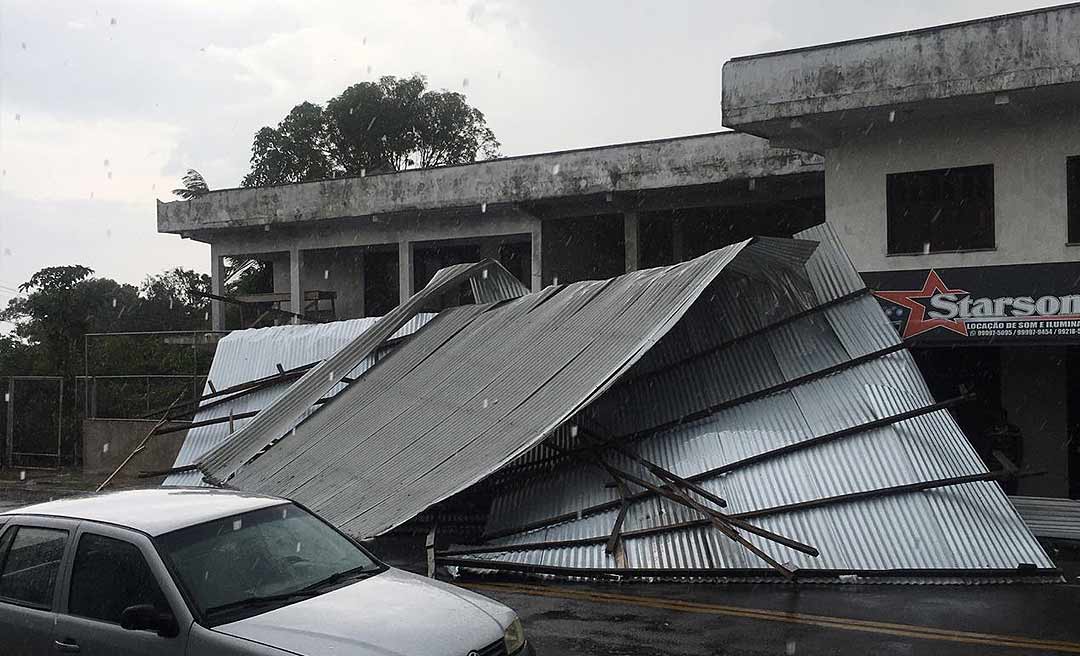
<point x="1072" y="198"/>
<point x="73" y="578"/>
<point x="7" y="543"/>
<point x="951" y="209"/>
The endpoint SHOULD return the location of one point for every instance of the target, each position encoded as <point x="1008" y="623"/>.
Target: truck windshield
<point x="256" y="561"/>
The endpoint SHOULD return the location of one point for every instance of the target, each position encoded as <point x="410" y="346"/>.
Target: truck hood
<point x="392" y="614"/>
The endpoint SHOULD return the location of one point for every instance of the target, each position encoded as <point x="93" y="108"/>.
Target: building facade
<point x="953" y="178"/>
<point x="947" y="160"/>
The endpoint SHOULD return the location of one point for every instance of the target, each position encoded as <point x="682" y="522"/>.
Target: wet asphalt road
<point x="867" y="620"/>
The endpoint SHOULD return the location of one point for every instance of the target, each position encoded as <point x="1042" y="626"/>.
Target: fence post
<point x="10" y="421"/>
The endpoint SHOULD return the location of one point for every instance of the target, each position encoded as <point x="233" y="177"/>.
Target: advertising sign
<point x="1026" y="303"/>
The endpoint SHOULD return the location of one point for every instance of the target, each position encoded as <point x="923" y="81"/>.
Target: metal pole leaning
<point x="142" y="445"/>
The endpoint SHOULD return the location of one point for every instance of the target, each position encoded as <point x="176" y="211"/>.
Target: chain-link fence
<point x="34" y="427"/>
<point x="138" y="374"/>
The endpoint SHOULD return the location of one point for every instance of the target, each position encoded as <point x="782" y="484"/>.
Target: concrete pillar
<point x="1034" y="392"/>
<point x="630" y="240"/>
<point x="360" y="283"/>
<point x="536" y="243"/>
<point x="405" y="270"/>
<point x="217" y="287"/>
<point x="296" y="287"/>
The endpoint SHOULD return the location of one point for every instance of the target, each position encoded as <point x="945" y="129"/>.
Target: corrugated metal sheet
<point x="489" y="281"/>
<point x="245" y="355"/>
<point x="965" y="527"/>
<point x="1050" y="518"/>
<point x="478" y="386"/>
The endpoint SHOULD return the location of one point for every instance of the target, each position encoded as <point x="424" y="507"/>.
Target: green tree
<point x="194" y="185"/>
<point x="390" y="125"/>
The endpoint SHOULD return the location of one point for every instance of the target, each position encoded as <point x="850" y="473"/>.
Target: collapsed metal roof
<point x="263" y="354"/>
<point x="818" y="427"/>
<point x="756" y="383"/>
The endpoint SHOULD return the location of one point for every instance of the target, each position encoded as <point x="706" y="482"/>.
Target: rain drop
<point x="18" y="117"/>
<point x="483" y="208"/>
<point x="465" y="83"/>
<point x="112" y="21"/>
<point x="555" y="170"/>
<point x="106" y="163"/>
<point x="326" y="274"/>
<point x="114" y="302"/>
<point x="109" y="175"/>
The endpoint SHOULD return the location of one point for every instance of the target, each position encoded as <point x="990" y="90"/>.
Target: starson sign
<point x="1020" y="303"/>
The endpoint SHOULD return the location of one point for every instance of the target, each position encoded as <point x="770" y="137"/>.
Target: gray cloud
<point x="173" y="85"/>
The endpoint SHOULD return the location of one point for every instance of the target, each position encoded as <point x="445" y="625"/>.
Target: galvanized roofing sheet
<point x="489" y="282"/>
<point x="964" y="527"/>
<point x="1050" y="518"/>
<point x="481" y="384"/>
<point x="246" y="355"/>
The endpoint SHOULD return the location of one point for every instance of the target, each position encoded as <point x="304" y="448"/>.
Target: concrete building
<point x="953" y="178"/>
<point x="947" y="159"/>
<point x="566" y="216"/>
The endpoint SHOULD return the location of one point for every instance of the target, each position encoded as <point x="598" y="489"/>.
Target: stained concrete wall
<point x="662" y="164"/>
<point x="990" y="55"/>
<point x="1028" y="154"/>
<point x="1034" y="391"/>
<point x="339" y="270"/>
<point x="106" y="442"/>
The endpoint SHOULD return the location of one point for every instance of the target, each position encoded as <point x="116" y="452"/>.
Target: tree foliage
<point x="59" y="305"/>
<point x="194" y="185"/>
<point x="371" y="127"/>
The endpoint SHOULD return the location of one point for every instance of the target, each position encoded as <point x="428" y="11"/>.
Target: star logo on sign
<point x="917" y="323"/>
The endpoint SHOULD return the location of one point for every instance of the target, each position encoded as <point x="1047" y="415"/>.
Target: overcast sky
<point x="104" y="105"/>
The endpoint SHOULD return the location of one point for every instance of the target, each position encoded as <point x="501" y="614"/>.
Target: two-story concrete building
<point x="368" y="242"/>
<point x="952" y="175"/>
<point x="947" y="159"/>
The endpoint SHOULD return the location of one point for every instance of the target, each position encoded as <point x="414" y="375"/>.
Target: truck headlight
<point x="514" y="638"/>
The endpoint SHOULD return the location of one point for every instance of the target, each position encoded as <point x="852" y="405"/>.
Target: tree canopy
<point x="59" y="305"/>
<point x="371" y="127"/>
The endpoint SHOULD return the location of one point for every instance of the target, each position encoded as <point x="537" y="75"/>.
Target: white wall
<point x="1028" y="150"/>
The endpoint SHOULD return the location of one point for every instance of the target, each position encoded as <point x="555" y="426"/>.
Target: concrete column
<point x="630" y="240"/>
<point x="217" y="287"/>
<point x="296" y="287"/>
<point x="405" y="270"/>
<point x="536" y="242"/>
<point x="1034" y="392"/>
<point x="361" y="283"/>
